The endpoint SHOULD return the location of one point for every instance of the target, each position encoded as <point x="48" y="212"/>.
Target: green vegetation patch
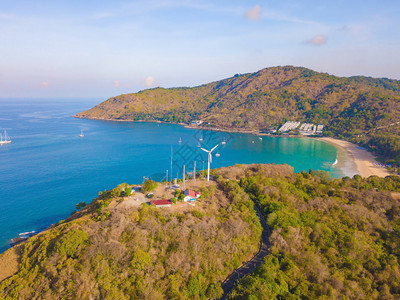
<point x="331" y="238"/>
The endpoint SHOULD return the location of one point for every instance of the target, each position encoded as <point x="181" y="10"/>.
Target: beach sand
<point x="364" y="161"/>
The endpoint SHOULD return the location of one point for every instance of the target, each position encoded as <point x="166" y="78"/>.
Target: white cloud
<point x="318" y="40"/>
<point x="148" y="81"/>
<point x="44" y="85"/>
<point x="119" y="84"/>
<point x="254" y="13"/>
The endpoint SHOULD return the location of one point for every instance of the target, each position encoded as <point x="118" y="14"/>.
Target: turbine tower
<point x="209" y="160"/>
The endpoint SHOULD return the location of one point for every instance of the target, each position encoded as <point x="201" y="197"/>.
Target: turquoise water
<point x="47" y="168"/>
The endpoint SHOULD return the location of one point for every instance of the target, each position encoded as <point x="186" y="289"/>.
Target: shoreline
<point x="352" y="159"/>
<point x="257" y="132"/>
<point x="364" y="161"/>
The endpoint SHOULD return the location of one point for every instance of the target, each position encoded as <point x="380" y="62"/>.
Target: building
<point x="161" y="203"/>
<point x="189" y="192"/>
<point x="196" y="122"/>
<point x="288" y="126"/>
<point x="190" y="196"/>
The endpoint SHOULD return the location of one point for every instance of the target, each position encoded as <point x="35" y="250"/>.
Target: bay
<point x="48" y="168"/>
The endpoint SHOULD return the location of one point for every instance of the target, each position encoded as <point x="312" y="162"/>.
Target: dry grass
<point x="9" y="262"/>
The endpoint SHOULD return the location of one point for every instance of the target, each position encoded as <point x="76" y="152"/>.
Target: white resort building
<point x="304" y="129"/>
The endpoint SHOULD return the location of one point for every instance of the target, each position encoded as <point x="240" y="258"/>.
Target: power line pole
<point x="171" y="163"/>
<point x="183" y="176"/>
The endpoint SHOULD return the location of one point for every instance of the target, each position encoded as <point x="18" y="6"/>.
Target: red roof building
<point x="190" y="193"/>
<point x="161" y="203"/>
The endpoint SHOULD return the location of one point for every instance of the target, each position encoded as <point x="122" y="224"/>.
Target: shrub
<point x="80" y="205"/>
<point x="69" y="243"/>
<point x="128" y="191"/>
<point x="149" y="185"/>
<point x="197" y="214"/>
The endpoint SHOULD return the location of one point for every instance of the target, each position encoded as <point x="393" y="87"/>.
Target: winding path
<point x="252" y="264"/>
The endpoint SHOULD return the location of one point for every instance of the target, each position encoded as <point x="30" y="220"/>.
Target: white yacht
<point x="6" y="139"/>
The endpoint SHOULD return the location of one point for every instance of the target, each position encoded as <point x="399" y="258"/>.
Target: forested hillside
<point x="360" y="109"/>
<point x="331" y="238"/>
<point x="112" y="251"/>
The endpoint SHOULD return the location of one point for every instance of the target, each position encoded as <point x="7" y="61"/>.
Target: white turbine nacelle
<point x="209" y="159"/>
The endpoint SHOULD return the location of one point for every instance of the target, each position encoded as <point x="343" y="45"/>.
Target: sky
<point x="102" y="48"/>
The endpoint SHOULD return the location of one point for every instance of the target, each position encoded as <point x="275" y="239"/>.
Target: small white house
<point x="190" y="196"/>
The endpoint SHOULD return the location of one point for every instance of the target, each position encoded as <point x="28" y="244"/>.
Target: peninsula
<point x="361" y="110"/>
<point x="326" y="237"/>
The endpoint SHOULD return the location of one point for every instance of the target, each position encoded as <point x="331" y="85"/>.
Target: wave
<point x="29" y="233"/>
<point x="335" y="162"/>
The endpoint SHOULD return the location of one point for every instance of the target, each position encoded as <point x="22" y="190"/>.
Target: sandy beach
<point x="364" y="161"/>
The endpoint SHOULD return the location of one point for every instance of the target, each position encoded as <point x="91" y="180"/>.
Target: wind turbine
<point x="209" y="160"/>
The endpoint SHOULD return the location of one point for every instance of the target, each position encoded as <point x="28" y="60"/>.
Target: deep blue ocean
<point x="48" y="168"/>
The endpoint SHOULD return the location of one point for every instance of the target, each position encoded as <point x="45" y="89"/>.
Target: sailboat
<point x="223" y="142"/>
<point x="180" y="140"/>
<point x="6" y="139"/>
<point x="81" y="135"/>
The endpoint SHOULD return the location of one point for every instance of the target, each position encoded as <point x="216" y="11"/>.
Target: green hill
<point x="330" y="239"/>
<point x="360" y="109"/>
<point x="114" y="250"/>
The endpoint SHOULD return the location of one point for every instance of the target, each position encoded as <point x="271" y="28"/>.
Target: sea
<point x="48" y="168"/>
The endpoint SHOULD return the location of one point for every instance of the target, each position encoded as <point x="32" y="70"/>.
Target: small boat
<point x="198" y="146"/>
<point x="260" y="138"/>
<point x="252" y="142"/>
<point x="200" y="139"/>
<point x="6" y="138"/>
<point x="180" y="140"/>
<point x="81" y="135"/>
<point x="217" y="154"/>
<point x="223" y="142"/>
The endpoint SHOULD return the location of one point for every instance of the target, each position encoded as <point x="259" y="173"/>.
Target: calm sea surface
<point x="48" y="168"/>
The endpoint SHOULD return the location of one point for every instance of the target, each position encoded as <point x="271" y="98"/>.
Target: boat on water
<point x="81" y="135"/>
<point x="260" y="138"/>
<point x="217" y="154"/>
<point x="201" y="139"/>
<point x="223" y="142"/>
<point x="6" y="139"/>
<point x="180" y="140"/>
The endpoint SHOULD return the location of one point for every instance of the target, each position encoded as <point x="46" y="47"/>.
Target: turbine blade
<point x="204" y="149"/>
<point x="210" y="157"/>
<point x="214" y="148"/>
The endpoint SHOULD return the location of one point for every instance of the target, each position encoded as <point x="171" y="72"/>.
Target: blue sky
<point x="106" y="48"/>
